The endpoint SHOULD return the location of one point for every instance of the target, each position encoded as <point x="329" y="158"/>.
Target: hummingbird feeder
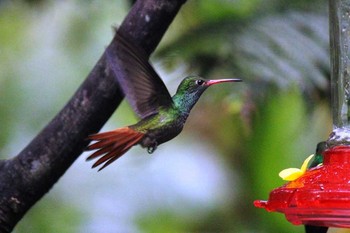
<point x="321" y="195"/>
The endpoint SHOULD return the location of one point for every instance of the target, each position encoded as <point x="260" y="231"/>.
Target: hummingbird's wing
<point x="140" y="83"/>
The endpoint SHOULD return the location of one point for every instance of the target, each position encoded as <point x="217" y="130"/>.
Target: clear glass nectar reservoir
<point x="339" y="26"/>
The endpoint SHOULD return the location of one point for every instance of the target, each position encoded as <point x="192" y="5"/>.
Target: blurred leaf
<point x="281" y="49"/>
<point x="51" y="215"/>
<point x="217" y="11"/>
<point x="14" y="22"/>
<point x="272" y="147"/>
<point x="294" y="52"/>
<point x="161" y="221"/>
<point x="12" y="37"/>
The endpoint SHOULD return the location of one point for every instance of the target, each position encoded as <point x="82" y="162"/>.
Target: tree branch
<point x="28" y="176"/>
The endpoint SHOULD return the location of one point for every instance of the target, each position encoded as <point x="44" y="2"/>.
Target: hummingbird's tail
<point x="113" y="144"/>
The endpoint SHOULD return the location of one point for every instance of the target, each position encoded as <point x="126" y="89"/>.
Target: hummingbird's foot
<point x="149" y="143"/>
<point x="152" y="148"/>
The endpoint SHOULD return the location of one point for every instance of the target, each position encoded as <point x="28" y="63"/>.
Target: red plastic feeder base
<point x="320" y="197"/>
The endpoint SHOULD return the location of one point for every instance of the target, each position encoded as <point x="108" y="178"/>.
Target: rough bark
<point x="25" y="178"/>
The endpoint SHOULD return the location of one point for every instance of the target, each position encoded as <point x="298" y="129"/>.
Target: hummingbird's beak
<point x="216" y="81"/>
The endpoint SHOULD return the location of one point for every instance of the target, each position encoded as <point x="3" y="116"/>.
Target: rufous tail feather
<point x="113" y="144"/>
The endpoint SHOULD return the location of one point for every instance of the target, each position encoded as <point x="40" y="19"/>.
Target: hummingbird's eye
<point x="199" y="82"/>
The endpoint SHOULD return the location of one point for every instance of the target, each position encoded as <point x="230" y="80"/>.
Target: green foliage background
<point x="252" y="130"/>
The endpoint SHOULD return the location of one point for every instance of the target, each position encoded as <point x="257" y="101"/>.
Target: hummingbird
<point x="162" y="116"/>
<point x="320" y="148"/>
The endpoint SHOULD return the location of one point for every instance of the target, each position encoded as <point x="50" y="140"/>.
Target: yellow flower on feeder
<point x="291" y="174"/>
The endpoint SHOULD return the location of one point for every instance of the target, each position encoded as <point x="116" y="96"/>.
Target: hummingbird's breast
<point x="162" y="127"/>
<point x="166" y="132"/>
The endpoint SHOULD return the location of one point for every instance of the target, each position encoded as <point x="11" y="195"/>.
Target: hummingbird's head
<point x="197" y="85"/>
<point x="192" y="87"/>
